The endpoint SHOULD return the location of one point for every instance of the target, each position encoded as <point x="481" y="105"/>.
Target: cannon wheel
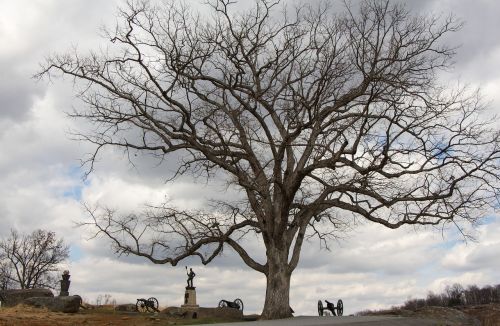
<point x="239" y="303"/>
<point x="140" y="306"/>
<point x="320" y="308"/>
<point x="340" y="307"/>
<point x="222" y="304"/>
<point x="155" y="304"/>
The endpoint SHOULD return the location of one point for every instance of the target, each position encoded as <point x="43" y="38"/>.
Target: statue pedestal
<point x="190" y="299"/>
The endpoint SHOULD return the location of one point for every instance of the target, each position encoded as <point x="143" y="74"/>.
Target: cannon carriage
<point x="330" y="306"/>
<point x="147" y="305"/>
<point x="236" y="304"/>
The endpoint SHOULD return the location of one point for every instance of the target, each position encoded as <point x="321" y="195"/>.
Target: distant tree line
<point x="457" y="295"/>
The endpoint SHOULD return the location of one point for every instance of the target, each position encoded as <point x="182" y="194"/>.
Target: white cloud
<point x="117" y="193"/>
<point x="482" y="254"/>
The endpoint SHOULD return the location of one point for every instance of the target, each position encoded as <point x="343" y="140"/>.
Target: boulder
<point x="69" y="304"/>
<point x="11" y="298"/>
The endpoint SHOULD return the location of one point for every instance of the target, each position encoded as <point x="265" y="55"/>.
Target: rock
<point x="80" y="298"/>
<point x="69" y="304"/>
<point x="126" y="307"/>
<point x="85" y="305"/>
<point x="11" y="298"/>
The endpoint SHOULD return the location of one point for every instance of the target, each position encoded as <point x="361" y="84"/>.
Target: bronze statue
<point x="190" y="275"/>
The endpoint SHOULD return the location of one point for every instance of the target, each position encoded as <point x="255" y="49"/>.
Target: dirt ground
<point x="23" y="315"/>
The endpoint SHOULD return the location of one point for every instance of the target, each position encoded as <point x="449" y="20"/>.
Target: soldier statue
<point x="190" y="275"/>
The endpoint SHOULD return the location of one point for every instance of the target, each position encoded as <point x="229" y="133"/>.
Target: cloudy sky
<point x="41" y="184"/>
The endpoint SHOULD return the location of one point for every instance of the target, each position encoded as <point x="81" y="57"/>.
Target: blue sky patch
<point x="75" y="252"/>
<point x="76" y="173"/>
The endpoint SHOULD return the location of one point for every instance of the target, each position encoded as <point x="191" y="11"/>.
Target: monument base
<point x="190" y="299"/>
<point x="190" y="307"/>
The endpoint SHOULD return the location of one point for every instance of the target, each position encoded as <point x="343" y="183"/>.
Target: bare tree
<point x="497" y="293"/>
<point x="30" y="259"/>
<point x="5" y="274"/>
<point x="472" y="295"/>
<point x="314" y="116"/>
<point x="436" y="300"/>
<point x="455" y="294"/>
<point x="98" y="300"/>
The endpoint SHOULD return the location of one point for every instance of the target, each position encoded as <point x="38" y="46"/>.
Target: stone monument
<point x="65" y="282"/>
<point x="190" y="294"/>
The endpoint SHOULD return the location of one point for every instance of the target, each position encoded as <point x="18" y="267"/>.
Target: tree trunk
<point x="277" y="304"/>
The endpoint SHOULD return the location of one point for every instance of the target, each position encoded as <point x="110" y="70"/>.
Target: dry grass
<point x="103" y="315"/>
<point x="485" y="315"/>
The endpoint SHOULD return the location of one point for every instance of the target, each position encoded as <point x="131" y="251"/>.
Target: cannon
<point x="236" y="304"/>
<point x="330" y="306"/>
<point x="147" y="305"/>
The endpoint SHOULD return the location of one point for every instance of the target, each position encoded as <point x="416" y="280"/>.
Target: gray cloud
<point x="478" y="55"/>
<point x="474" y="256"/>
<point x="26" y="40"/>
<point x="16" y="93"/>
